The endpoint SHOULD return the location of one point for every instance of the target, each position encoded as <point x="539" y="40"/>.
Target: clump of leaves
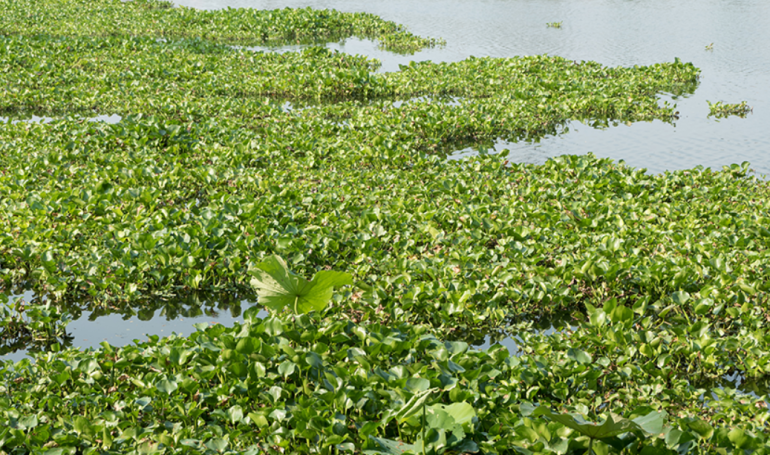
<point x="612" y="426"/>
<point x="30" y="325"/>
<point x="442" y="428"/>
<point x="723" y="110"/>
<point x="278" y="288"/>
<point x="242" y="26"/>
<point x="295" y="383"/>
<point x="554" y="24"/>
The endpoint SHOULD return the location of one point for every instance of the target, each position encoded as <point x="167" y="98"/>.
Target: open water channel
<point x="735" y="68"/>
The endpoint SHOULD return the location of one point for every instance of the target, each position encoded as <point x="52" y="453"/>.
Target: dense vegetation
<point x="225" y="157"/>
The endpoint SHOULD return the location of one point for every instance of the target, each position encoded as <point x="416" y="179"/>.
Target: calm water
<point x="89" y="329"/>
<point x="612" y="32"/>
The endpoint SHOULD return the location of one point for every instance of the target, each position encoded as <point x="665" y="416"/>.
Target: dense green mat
<point x="225" y="156"/>
<point x="157" y="19"/>
<point x="315" y="385"/>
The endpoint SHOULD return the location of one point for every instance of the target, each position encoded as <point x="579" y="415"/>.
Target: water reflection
<point x="111" y="119"/>
<point x="122" y="326"/>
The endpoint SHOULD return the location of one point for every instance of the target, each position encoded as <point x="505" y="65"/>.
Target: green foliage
<point x="227" y="160"/>
<point x="183" y="201"/>
<point x="296" y="383"/>
<point x="32" y="326"/>
<point x="721" y="110"/>
<point x="554" y="24"/>
<point x="155" y="19"/>
<point x="278" y="288"/>
<point x="612" y="426"/>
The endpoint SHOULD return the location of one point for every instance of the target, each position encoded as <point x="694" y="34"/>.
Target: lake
<point x="612" y="32"/>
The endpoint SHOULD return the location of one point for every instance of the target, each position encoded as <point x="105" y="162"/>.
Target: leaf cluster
<point x="226" y="159"/>
<point x="305" y="384"/>
<point x="159" y="19"/>
<point x="723" y="110"/>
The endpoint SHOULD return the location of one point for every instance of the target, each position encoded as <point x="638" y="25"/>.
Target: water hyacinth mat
<point x="324" y="188"/>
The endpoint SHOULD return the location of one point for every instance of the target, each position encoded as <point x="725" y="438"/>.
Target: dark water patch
<point x="512" y="336"/>
<point x="754" y="387"/>
<point x="515" y="344"/>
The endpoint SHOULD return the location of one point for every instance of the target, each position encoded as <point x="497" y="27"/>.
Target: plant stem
<point x="423" y="429"/>
<point x="296" y="298"/>
<point x="590" y="446"/>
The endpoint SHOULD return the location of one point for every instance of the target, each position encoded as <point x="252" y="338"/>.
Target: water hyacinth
<point x="243" y="172"/>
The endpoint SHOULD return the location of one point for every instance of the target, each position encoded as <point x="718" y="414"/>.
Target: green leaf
<point x="438" y="418"/>
<point x="579" y="356"/>
<point x="622" y="314"/>
<point x="247" y="345"/>
<point x="738" y="437"/>
<point x="235" y="413"/>
<point x="273" y="326"/>
<point x="417" y="384"/>
<point x="166" y="386"/>
<point x="390" y="447"/>
<point x="27" y="422"/>
<point x="652" y="423"/>
<point x="412" y="406"/>
<point x="216" y="444"/>
<point x="680" y="297"/>
<point x="612" y="426"/>
<point x="462" y="412"/>
<point x="286" y="368"/>
<point x="314" y="360"/>
<point x="277" y="288"/>
<point x="83" y="427"/>
<point x="702" y="428"/>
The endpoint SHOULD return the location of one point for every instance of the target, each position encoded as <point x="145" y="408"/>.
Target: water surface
<point x="612" y="32"/>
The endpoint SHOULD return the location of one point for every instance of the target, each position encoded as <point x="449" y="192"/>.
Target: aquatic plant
<point x="30" y="325"/>
<point x="244" y="172"/>
<point x="159" y="19"/>
<point x="278" y="288"/>
<point x="308" y="382"/>
<point x="722" y="110"/>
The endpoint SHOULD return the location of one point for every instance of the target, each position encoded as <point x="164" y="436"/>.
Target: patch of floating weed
<point x="206" y="176"/>
<point x="722" y="110"/>
<point x="155" y="19"/>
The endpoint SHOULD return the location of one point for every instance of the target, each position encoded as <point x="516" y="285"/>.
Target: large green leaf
<point x="389" y="447"/>
<point x="166" y="386"/>
<point x="412" y="406"/>
<point x="612" y="426"/>
<point x="462" y="412"/>
<point x="278" y="288"/>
